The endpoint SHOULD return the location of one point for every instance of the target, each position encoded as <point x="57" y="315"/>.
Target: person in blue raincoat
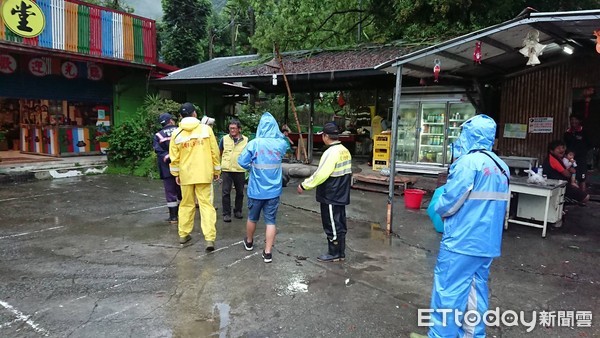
<point x="262" y="156"/>
<point x="473" y="205"/>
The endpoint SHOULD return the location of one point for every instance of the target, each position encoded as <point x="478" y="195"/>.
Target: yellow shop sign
<point x="23" y="17"/>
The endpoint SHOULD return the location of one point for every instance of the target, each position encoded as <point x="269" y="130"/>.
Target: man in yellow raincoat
<point x="195" y="163"/>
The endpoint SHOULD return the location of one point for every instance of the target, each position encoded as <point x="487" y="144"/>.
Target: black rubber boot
<point x="173" y="211"/>
<point x="333" y="254"/>
<point x="342" y="252"/>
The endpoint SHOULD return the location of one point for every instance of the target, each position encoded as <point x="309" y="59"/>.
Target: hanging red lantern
<point x="340" y="100"/>
<point x="597" y="34"/>
<point x="477" y="53"/>
<point x="436" y="70"/>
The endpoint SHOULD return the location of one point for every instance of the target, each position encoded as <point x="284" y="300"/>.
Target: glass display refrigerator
<point x="406" y="149"/>
<point x="426" y="130"/>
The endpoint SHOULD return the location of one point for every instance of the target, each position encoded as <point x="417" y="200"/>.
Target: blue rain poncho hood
<point x="478" y="133"/>
<point x="262" y="158"/>
<point x="474" y="199"/>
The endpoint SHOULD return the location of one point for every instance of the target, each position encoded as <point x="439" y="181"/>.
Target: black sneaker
<point x="227" y="218"/>
<point x="267" y="257"/>
<point x="238" y="215"/>
<point x="248" y="245"/>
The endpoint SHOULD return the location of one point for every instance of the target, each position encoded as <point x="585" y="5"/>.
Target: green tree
<point x="309" y="24"/>
<point x="436" y="20"/>
<point x="183" y="30"/>
<point x="229" y="30"/>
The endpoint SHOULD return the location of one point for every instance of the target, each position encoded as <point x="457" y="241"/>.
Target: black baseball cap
<point x="164" y="118"/>
<point x="331" y="129"/>
<point x="187" y="109"/>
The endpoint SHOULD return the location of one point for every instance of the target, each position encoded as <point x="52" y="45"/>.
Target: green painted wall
<point x="128" y="95"/>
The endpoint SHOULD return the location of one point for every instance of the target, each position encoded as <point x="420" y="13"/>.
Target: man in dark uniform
<point x="160" y="144"/>
<point x="332" y="180"/>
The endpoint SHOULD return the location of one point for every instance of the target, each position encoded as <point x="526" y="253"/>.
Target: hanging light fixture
<point x="567" y="49"/>
<point x="274" y="80"/>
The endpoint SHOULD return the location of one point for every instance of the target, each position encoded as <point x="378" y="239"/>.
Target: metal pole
<point x="390" y="205"/>
<point x="311" y="123"/>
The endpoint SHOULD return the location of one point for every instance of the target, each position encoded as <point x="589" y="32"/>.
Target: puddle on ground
<point x="214" y="324"/>
<point x="223" y="310"/>
<point x="378" y="233"/>
<point x="296" y="284"/>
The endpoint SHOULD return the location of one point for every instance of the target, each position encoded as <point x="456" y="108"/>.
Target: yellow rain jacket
<point x="231" y="152"/>
<point x="376" y="127"/>
<point x="333" y="176"/>
<point x="194" y="153"/>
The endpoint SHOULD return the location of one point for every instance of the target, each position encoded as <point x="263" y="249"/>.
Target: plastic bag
<point x="438" y="223"/>
<point x="535" y="178"/>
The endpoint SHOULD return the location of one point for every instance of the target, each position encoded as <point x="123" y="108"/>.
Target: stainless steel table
<point x="542" y="203"/>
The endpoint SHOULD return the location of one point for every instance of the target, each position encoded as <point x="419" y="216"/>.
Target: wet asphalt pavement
<point x="93" y="257"/>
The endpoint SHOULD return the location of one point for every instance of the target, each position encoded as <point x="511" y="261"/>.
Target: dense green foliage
<point x="325" y="107"/>
<point x="310" y="24"/>
<point x="130" y="143"/>
<point x="183" y="30"/>
<point x="229" y="31"/>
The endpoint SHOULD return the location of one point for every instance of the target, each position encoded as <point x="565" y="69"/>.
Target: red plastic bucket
<point x="413" y="198"/>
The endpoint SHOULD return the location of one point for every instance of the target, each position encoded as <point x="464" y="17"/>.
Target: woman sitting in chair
<point x="555" y="169"/>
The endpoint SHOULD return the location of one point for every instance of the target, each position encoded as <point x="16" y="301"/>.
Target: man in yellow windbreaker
<point x="231" y="146"/>
<point x="332" y="180"/>
<point x="195" y="163"/>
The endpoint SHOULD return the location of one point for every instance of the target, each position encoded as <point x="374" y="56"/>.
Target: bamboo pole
<point x="289" y="91"/>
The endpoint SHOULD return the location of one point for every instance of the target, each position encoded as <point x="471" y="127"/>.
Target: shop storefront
<point x="61" y="65"/>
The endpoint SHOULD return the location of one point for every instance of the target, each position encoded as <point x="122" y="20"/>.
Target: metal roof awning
<point x="501" y="44"/>
<point x="500" y="57"/>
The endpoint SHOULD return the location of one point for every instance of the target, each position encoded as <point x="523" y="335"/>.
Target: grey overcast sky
<point x="153" y="9"/>
<point x="147" y="8"/>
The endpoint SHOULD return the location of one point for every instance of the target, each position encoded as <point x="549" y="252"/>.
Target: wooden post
<point x="289" y="91"/>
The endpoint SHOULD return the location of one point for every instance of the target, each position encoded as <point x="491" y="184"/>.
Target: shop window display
<point x="52" y="127"/>
<point x="9" y="124"/>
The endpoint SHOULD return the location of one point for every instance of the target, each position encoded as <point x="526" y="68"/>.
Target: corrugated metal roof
<point x="217" y="67"/>
<point x="239" y="68"/>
